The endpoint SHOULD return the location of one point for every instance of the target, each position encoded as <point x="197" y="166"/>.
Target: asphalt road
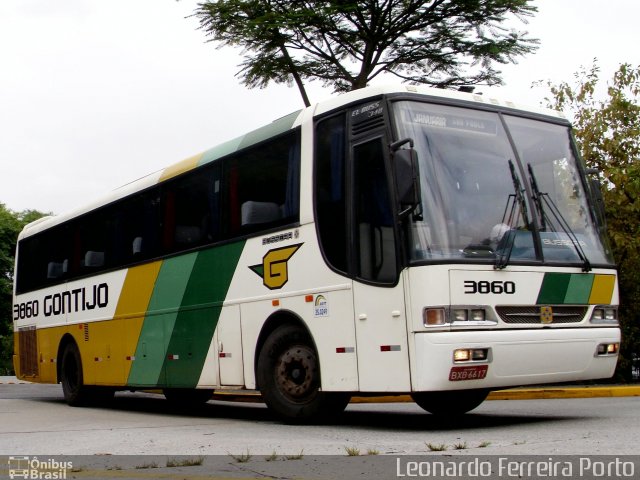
<point x="35" y="420"/>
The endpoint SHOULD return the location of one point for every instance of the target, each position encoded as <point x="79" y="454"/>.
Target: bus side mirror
<point x="407" y="174"/>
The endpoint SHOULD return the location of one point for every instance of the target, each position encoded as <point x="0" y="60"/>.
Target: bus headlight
<point x="468" y="314"/>
<point x="462" y="355"/>
<point x="460" y="315"/>
<point x="604" y="314"/>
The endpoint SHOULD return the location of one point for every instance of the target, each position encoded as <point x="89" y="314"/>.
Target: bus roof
<point x="277" y="127"/>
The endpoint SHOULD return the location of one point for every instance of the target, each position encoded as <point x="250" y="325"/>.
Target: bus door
<point x="379" y="305"/>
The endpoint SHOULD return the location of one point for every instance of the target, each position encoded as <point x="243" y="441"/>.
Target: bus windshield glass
<point x="475" y="204"/>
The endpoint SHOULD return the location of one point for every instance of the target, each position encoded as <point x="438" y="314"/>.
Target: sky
<point x="94" y="93"/>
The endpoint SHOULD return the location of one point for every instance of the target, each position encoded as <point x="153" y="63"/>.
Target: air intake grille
<point x="368" y="124"/>
<point x="28" y="345"/>
<point x="533" y="314"/>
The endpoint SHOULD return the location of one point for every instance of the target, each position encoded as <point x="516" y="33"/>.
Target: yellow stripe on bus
<point x="602" y="289"/>
<point x="181" y="167"/>
<point x="131" y="310"/>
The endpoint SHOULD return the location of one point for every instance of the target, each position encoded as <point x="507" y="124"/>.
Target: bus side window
<point x="191" y="213"/>
<point x="263" y="185"/>
<point x="330" y="198"/>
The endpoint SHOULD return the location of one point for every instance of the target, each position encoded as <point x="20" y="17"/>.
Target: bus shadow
<point x="375" y="417"/>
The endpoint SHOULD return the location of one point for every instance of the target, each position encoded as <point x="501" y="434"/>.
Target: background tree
<point x="10" y="225"/>
<point x="608" y="134"/>
<point x="346" y="44"/>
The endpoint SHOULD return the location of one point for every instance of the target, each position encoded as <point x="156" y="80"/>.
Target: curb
<point x="510" y="394"/>
<point x="524" y="393"/>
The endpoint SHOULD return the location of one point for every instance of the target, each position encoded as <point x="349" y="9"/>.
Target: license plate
<point x="470" y="372"/>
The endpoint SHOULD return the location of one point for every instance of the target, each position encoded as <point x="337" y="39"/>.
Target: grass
<point x="272" y="457"/>
<point x="373" y="451"/>
<point x="484" y="444"/>
<point x="460" y="446"/>
<point x="185" y="462"/>
<point x="295" y="457"/>
<point x="438" y="447"/>
<point x="147" y="465"/>
<point x="352" y="451"/>
<point x="242" y="458"/>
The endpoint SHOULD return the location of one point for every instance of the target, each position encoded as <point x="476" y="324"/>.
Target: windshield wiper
<point x="543" y="200"/>
<point x="516" y="206"/>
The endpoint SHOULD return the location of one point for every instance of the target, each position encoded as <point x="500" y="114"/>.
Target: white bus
<point x="390" y="240"/>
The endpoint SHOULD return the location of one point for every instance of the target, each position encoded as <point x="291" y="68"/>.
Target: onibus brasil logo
<point x="34" y="468"/>
<point x="274" y="269"/>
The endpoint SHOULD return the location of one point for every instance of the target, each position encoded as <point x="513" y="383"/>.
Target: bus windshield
<point x="474" y="197"/>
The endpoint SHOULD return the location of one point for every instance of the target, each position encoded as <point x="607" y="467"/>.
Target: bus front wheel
<point x="450" y="403"/>
<point x="288" y="374"/>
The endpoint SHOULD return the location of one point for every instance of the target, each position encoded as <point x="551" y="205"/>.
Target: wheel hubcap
<point x="297" y="373"/>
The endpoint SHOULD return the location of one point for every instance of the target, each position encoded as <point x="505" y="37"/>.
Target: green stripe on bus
<point x="271" y="130"/>
<point x="263" y="133"/>
<point x="554" y="288"/>
<point x="220" y="151"/>
<point x="151" y="351"/>
<point x="579" y="289"/>
<point x="200" y="311"/>
<point x="566" y="288"/>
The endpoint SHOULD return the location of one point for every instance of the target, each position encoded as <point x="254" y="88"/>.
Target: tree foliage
<point x="346" y="44"/>
<point x="608" y="134"/>
<point x="10" y="225"/>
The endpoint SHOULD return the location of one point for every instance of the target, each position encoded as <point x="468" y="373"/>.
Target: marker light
<point x="605" y="349"/>
<point x="433" y="316"/>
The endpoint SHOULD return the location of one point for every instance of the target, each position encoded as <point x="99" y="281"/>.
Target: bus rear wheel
<point x="288" y="374"/>
<point x="76" y="393"/>
<point x="449" y="404"/>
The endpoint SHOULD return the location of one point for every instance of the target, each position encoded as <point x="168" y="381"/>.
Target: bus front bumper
<point x="514" y="357"/>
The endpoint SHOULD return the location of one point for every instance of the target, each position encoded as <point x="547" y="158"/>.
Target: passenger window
<point x="330" y="186"/>
<point x="263" y="186"/>
<point x="192" y="210"/>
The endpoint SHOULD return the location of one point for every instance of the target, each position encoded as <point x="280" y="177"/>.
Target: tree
<point x="608" y="134"/>
<point x="346" y="44"/>
<point x="10" y="225"/>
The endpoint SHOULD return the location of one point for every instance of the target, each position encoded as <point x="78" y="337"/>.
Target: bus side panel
<point x="148" y="369"/>
<point x="283" y="275"/>
<point x="183" y="312"/>
<point x="223" y="365"/>
<point x="48" y="341"/>
<point x="131" y="309"/>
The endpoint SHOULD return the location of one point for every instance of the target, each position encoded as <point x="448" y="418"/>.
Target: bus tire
<point x="452" y="403"/>
<point x="288" y="374"/>
<point x="76" y="393"/>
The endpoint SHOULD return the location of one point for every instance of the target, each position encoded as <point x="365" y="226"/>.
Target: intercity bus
<point x="391" y="240"/>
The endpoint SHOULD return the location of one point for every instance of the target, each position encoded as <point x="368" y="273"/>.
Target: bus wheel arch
<point x="71" y="376"/>
<point x="64" y="341"/>
<point x="276" y="320"/>
<point x="71" y="372"/>
<point x="288" y="373"/>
